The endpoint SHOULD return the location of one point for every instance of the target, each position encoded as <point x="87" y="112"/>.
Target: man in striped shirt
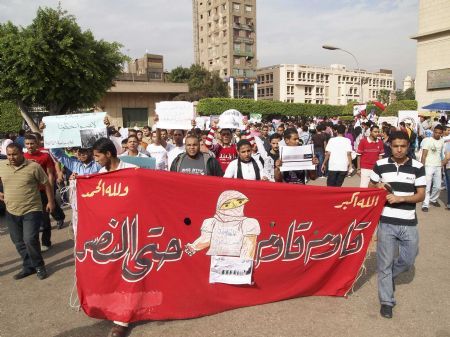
<point x="404" y="179"/>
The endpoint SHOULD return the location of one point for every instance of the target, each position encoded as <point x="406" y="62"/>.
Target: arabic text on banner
<point x="157" y="255"/>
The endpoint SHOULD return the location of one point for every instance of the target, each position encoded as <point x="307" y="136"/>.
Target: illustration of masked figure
<point x="229" y="232"/>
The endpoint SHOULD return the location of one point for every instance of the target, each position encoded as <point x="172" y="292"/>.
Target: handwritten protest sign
<point x="409" y="116"/>
<point x="202" y="122"/>
<point x="74" y="130"/>
<point x="295" y="158"/>
<point x="175" y="115"/>
<point x="231" y="119"/>
<point x="230" y="270"/>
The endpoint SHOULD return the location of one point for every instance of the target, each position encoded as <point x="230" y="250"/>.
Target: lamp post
<point x="328" y="47"/>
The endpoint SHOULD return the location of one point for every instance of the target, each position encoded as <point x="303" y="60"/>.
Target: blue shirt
<point x="73" y="164"/>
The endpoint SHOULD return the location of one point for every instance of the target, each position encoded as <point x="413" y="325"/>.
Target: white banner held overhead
<point x="74" y="130"/>
<point x="231" y="119"/>
<point x="175" y="115"/>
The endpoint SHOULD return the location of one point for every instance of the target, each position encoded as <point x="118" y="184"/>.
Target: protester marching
<point x="256" y="155"/>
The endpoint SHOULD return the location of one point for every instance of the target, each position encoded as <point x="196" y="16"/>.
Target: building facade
<point x="335" y="85"/>
<point x="148" y="68"/>
<point x="408" y="83"/>
<point x="225" y="41"/>
<point x="433" y="52"/>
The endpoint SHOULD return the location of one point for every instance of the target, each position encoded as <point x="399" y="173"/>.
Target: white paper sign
<point x="358" y="108"/>
<point x="409" y="116"/>
<point x="175" y="115"/>
<point x="230" y="270"/>
<point x="74" y="130"/>
<point x="392" y="120"/>
<point x="297" y="158"/>
<point x="202" y="122"/>
<point x="231" y="119"/>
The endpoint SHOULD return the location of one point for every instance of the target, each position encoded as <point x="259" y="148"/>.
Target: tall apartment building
<point x="150" y="67"/>
<point x="336" y="85"/>
<point x="225" y="41"/>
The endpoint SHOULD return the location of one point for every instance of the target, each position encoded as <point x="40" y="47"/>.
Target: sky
<point x="377" y="32"/>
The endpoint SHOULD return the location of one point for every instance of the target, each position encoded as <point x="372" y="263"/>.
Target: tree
<point x="201" y="82"/>
<point x="53" y="63"/>
<point x="409" y="94"/>
<point x="384" y="96"/>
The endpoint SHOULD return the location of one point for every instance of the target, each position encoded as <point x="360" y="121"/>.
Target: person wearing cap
<point x="82" y="165"/>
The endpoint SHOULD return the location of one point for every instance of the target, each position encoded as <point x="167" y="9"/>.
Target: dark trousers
<point x="58" y="214"/>
<point x="24" y="233"/>
<point x="336" y="178"/>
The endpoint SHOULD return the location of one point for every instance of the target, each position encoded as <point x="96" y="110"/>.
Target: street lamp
<point x="357" y="64"/>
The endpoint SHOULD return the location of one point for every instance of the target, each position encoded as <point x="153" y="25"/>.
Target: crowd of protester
<point x="341" y="149"/>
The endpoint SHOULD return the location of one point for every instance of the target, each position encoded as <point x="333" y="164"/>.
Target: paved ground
<point x="32" y="308"/>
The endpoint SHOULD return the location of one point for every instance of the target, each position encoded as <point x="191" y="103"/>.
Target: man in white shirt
<point x="158" y="151"/>
<point x="432" y="160"/>
<point x="338" y="155"/>
<point x="245" y="166"/>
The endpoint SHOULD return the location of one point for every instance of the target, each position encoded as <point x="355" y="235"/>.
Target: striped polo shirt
<point x="404" y="180"/>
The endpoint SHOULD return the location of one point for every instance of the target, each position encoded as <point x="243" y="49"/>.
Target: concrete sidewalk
<point x="33" y="308"/>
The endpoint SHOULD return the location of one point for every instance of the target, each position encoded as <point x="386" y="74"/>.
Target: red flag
<point x="274" y="241"/>
<point x="379" y="105"/>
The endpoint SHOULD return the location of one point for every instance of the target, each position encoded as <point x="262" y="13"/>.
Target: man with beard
<point x="193" y="161"/>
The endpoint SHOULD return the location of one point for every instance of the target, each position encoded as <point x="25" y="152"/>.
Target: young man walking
<point x="397" y="236"/>
<point x="370" y="149"/>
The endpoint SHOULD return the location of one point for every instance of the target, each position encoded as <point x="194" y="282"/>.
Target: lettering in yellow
<point x="355" y="201"/>
<point x="114" y="190"/>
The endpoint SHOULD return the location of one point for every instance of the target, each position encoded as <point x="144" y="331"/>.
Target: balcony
<point x="243" y="53"/>
<point x="247" y="40"/>
<point x="243" y="26"/>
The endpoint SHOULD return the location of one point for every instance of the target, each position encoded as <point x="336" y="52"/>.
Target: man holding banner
<point x="404" y="179"/>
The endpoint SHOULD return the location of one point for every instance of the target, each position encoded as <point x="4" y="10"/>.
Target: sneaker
<point x="41" y="273"/>
<point x="424" y="209"/>
<point x="45" y="248"/>
<point x="59" y="224"/>
<point x="386" y="311"/>
<point x="24" y="273"/>
<point x="118" y="331"/>
<point x="435" y="203"/>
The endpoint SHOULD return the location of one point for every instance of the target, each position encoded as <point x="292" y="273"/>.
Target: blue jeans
<point x="24" y="233"/>
<point x="321" y="157"/>
<point x="393" y="239"/>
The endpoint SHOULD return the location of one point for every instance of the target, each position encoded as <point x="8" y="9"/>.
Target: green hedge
<point x="10" y="119"/>
<point x="395" y="107"/>
<point x="215" y="106"/>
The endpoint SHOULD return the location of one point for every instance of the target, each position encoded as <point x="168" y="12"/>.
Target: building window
<point x="248" y="21"/>
<point x="236" y="7"/>
<point x="237" y="19"/>
<point x="134" y="117"/>
<point x="224" y="6"/>
<point x="224" y="20"/>
<point x="290" y="100"/>
<point x="237" y="47"/>
<point x="290" y="89"/>
<point x="248" y="48"/>
<point x="224" y="33"/>
<point x="201" y="28"/>
<point x="248" y="8"/>
<point x="290" y="75"/>
<point x="237" y="60"/>
<point x="271" y="78"/>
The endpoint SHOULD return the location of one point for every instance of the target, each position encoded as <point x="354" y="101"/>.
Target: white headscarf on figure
<point x="235" y="213"/>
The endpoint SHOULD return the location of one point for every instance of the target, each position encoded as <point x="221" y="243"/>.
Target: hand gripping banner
<point x="161" y="245"/>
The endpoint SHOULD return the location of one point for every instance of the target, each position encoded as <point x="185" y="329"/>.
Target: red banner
<point x="161" y="245"/>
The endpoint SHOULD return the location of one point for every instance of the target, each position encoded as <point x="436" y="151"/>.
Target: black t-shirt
<point x="318" y="140"/>
<point x="294" y="177"/>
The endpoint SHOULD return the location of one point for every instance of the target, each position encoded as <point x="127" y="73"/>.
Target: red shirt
<point x="42" y="159"/>
<point x="370" y="151"/>
<point x="225" y="155"/>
